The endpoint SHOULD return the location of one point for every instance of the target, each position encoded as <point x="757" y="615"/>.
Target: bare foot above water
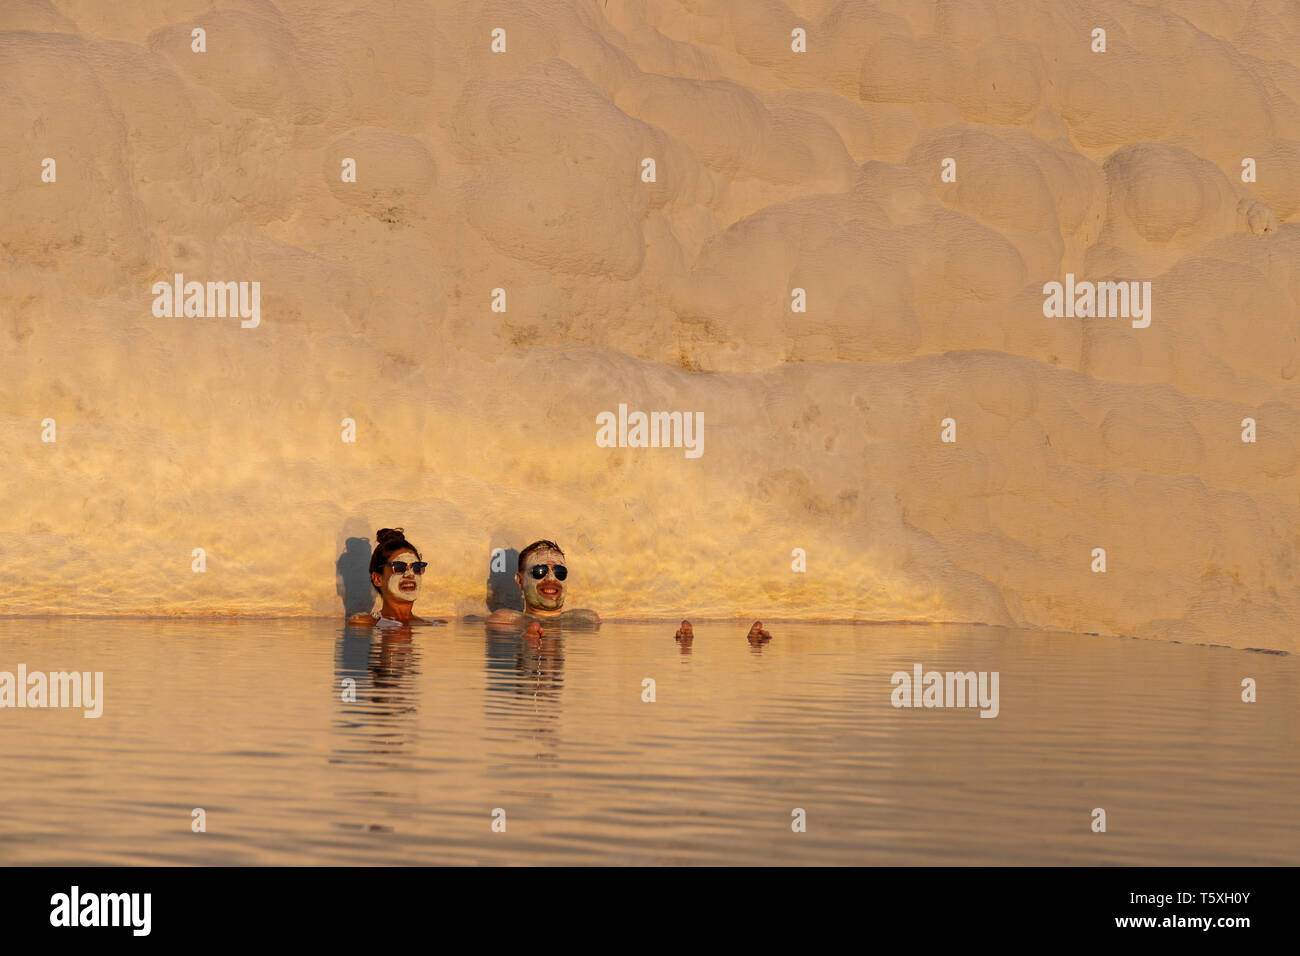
<point x="757" y="633"/>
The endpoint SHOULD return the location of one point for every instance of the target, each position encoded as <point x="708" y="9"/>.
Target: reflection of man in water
<point x="541" y="577"/>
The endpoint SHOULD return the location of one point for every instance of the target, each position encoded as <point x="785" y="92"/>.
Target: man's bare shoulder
<point x="580" y="617"/>
<point x="361" y="620"/>
<point x="505" y="618"/>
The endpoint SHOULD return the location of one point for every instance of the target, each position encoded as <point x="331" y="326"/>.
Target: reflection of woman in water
<point x="395" y="571"/>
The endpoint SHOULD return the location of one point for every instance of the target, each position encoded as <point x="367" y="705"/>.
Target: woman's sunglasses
<point x="399" y="567"/>
<point x="538" y="571"/>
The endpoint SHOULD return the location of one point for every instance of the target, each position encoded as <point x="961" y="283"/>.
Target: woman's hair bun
<point x="387" y="534"/>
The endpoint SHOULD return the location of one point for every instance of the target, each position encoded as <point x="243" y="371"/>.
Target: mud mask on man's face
<point x="546" y="593"/>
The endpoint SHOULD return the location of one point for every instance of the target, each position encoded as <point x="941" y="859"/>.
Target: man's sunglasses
<point x="399" y="567"/>
<point x="538" y="571"/>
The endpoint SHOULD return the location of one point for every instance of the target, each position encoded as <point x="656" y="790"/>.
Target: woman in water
<point x="396" y="571"/>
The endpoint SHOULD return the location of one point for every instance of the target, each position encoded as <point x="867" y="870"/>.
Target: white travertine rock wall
<point x="775" y="170"/>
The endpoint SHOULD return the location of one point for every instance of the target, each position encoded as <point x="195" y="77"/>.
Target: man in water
<point x="541" y="577"/>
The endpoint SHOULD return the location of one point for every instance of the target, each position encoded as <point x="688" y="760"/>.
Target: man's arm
<point x="580" y="617"/>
